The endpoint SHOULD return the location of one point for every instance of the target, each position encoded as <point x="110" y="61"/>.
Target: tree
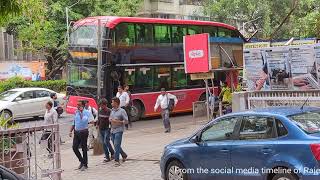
<point x="277" y="19"/>
<point x="43" y="26"/>
<point x="9" y="8"/>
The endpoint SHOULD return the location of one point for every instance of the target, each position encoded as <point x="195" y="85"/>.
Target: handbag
<point x="170" y="104"/>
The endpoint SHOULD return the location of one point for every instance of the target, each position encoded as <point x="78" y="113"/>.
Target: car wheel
<point x="136" y="111"/>
<point x="6" y="114"/>
<point x="174" y="171"/>
<point x="285" y="176"/>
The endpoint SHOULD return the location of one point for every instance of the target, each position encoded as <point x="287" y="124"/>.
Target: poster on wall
<point x="317" y="59"/>
<point x="279" y="71"/>
<point x="196" y="53"/>
<point x="283" y="68"/>
<point x="303" y="68"/>
<point x="34" y="71"/>
<point x="254" y="73"/>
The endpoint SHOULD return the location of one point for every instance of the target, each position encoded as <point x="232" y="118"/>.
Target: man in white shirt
<point x="124" y="101"/>
<point x="92" y="119"/>
<point x="50" y="117"/>
<point x="163" y="101"/>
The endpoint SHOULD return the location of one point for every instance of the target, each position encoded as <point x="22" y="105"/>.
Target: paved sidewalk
<point x="143" y="143"/>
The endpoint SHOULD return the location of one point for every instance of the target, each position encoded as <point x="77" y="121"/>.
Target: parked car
<point x="6" y="173"/>
<point x="26" y="102"/>
<point x="276" y="143"/>
<point x="72" y="101"/>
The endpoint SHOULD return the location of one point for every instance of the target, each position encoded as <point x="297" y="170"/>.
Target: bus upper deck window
<point x="177" y="33"/>
<point x="125" y="34"/>
<point x="162" y="34"/>
<point x="144" y="33"/>
<point x="194" y="30"/>
<point x="211" y="30"/>
<point x="223" y="32"/>
<point x="84" y="35"/>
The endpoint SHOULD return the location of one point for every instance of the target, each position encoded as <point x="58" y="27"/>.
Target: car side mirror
<point x="196" y="138"/>
<point x="18" y="99"/>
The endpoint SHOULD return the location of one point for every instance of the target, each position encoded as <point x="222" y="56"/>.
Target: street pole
<point x="207" y="97"/>
<point x="99" y="60"/>
<point x="67" y="20"/>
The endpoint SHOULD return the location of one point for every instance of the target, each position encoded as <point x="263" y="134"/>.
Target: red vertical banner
<point x="196" y="53"/>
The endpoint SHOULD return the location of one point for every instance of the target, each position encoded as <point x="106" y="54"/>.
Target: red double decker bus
<point x="144" y="53"/>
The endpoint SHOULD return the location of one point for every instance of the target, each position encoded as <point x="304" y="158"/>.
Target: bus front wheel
<point x="136" y="111"/>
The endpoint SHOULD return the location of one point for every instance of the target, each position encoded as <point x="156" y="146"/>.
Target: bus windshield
<point x="84" y="76"/>
<point x="309" y="122"/>
<point x="84" y="35"/>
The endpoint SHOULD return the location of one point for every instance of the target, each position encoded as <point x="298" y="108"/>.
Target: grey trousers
<point x="165" y="119"/>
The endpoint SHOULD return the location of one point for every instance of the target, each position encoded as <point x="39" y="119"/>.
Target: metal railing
<point x="32" y="152"/>
<point x="260" y="99"/>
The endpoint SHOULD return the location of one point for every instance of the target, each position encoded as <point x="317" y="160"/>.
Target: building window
<point x="191" y="2"/>
<point x="166" y="1"/>
<point x="163" y="16"/>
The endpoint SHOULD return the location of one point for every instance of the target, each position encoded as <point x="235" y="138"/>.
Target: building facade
<point x="173" y="9"/>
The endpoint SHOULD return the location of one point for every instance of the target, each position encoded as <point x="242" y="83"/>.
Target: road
<point x="143" y="143"/>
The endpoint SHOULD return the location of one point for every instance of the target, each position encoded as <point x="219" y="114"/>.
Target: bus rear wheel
<point x="136" y="111"/>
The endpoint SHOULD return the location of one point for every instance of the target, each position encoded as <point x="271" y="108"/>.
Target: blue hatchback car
<point x="276" y="143"/>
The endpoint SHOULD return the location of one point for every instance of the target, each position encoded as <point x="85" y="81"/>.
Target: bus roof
<point x="112" y="21"/>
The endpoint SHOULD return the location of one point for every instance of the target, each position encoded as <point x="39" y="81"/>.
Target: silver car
<point x="26" y="102"/>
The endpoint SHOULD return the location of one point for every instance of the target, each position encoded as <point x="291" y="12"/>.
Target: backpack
<point x="170" y="104"/>
<point x="93" y="114"/>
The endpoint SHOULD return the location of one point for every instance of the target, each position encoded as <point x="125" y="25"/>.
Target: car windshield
<point x="8" y="95"/>
<point x="309" y="122"/>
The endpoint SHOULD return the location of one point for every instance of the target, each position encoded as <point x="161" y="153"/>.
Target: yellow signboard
<point x="83" y="54"/>
<point x="256" y="45"/>
<point x="198" y="76"/>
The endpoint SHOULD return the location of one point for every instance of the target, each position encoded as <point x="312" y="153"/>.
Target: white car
<point x="26" y="102"/>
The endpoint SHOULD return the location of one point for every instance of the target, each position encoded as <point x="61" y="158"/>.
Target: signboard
<point x="254" y="63"/>
<point x="196" y="53"/>
<point x="199" y="76"/>
<point x="279" y="71"/>
<point x="256" y="45"/>
<point x="283" y="68"/>
<point x="28" y="70"/>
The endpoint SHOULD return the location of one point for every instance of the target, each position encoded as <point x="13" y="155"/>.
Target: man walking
<point x="127" y="90"/>
<point x="50" y="117"/>
<point x="118" y="118"/>
<point x="104" y="129"/>
<point x="80" y="128"/>
<point x="124" y="101"/>
<point x="163" y="101"/>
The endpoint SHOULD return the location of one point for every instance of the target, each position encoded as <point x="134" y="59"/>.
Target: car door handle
<point x="266" y="150"/>
<point x="224" y="150"/>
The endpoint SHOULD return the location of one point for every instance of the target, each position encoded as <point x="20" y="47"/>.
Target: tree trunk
<point x="294" y="6"/>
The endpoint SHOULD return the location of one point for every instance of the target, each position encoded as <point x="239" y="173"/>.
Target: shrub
<point x="18" y="82"/>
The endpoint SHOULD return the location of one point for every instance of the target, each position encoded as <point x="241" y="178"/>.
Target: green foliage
<point x="18" y="82"/>
<point x="7" y="123"/>
<point x="9" y="8"/>
<point x="43" y="24"/>
<point x="303" y="22"/>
